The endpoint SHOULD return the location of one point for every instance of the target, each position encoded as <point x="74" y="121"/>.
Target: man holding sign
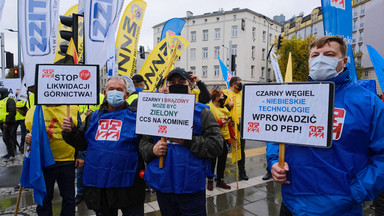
<point x="180" y="185"/>
<point x="336" y="180"/>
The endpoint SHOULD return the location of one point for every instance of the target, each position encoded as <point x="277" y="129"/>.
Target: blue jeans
<point x="79" y="179"/>
<point x="188" y="204"/>
<point x="64" y="174"/>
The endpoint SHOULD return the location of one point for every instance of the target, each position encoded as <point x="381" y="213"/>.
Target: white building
<point x="239" y="32"/>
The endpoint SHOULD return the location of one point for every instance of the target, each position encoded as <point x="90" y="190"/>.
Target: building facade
<point x="367" y="23"/>
<point x="221" y="34"/>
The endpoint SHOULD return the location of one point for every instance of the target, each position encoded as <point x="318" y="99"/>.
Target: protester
<point x="139" y="83"/>
<point x="21" y="111"/>
<point x="63" y="171"/>
<point x="234" y="92"/>
<point x="336" y="180"/>
<point x="202" y="94"/>
<point x="222" y="116"/>
<point x="180" y="187"/>
<point x="7" y="121"/>
<point x="113" y="163"/>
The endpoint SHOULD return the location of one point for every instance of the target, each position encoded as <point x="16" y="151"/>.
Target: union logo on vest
<point x="109" y="129"/>
<point x="338" y="123"/>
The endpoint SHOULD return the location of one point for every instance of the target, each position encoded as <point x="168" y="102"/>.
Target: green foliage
<point x="300" y="55"/>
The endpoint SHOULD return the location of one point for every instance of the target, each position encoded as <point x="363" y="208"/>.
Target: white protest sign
<point x="292" y="113"/>
<point x="165" y="115"/>
<point x="67" y="84"/>
<point x="11" y="85"/>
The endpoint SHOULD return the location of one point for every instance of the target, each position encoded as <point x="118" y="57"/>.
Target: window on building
<point x="205" y="71"/>
<point x="366" y="73"/>
<point x="262" y="72"/>
<point x="254" y="32"/>
<point x="264" y="36"/>
<point x="193" y="22"/>
<point x="216" y="70"/>
<point x="354" y="24"/>
<point x="205" y="35"/>
<point x="234" y="17"/>
<point x="193" y="53"/>
<point x="217" y="19"/>
<point x="158" y="39"/>
<point x="234" y="31"/>
<point x="234" y="49"/>
<point x="205" y="52"/>
<point x="193" y="36"/>
<point x="252" y="71"/>
<point x="217" y="33"/>
<point x="217" y="52"/>
<point x="362" y="11"/>
<point x="205" y="20"/>
<point x="193" y="69"/>
<point x="262" y="54"/>
<point x="253" y="52"/>
<point x="270" y="38"/>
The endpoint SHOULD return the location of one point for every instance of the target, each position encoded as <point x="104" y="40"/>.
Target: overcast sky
<point x="161" y="10"/>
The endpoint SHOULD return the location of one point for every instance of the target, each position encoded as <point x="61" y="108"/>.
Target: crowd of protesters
<point x="109" y="172"/>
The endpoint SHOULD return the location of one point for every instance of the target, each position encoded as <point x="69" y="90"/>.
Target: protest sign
<point x="67" y="84"/>
<point x="292" y="113"/>
<point x="11" y="85"/>
<point x="165" y="115"/>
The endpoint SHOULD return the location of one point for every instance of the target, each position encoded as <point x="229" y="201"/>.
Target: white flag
<point x="2" y="2"/>
<point x="38" y="34"/>
<point x="100" y="21"/>
<point x="276" y="68"/>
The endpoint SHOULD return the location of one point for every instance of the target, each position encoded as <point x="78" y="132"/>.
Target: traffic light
<point x="72" y="23"/>
<point x="9" y="60"/>
<point x="142" y="52"/>
<point x="16" y="72"/>
<point x="279" y="42"/>
<point x="233" y="63"/>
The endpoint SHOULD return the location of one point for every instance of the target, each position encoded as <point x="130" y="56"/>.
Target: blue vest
<point x="113" y="149"/>
<point x="182" y="172"/>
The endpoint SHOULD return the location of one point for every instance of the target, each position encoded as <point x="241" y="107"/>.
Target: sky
<point x="158" y="11"/>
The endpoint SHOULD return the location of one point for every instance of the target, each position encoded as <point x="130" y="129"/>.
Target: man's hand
<point x="194" y="78"/>
<point x="79" y="163"/>
<point x="89" y="112"/>
<point x="68" y="124"/>
<point x="160" y="148"/>
<point x="231" y="104"/>
<point x="280" y="175"/>
<point x="4" y="125"/>
<point x="28" y="138"/>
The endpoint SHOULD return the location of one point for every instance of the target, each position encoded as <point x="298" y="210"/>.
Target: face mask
<point x="323" y="68"/>
<point x="221" y="102"/>
<point x="239" y="87"/>
<point x="115" y="98"/>
<point x="138" y="89"/>
<point x="178" y="88"/>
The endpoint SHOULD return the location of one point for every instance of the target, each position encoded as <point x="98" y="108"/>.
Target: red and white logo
<point x="253" y="127"/>
<point x="162" y="129"/>
<point x="48" y="73"/>
<point x="316" y="131"/>
<point x="338" y="123"/>
<point x="85" y="74"/>
<point x="109" y="129"/>
<point x="338" y="4"/>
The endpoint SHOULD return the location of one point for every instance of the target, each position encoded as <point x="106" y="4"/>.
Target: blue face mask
<point x="115" y="98"/>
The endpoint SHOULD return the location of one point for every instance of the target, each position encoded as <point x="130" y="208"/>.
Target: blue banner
<point x="173" y="27"/>
<point x="378" y="64"/>
<point x="38" y="156"/>
<point x="337" y="20"/>
<point x="226" y="73"/>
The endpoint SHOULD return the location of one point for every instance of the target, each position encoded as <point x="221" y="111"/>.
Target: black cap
<point x="137" y="78"/>
<point x="179" y="71"/>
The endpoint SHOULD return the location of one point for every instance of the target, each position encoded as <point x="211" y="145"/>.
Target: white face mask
<point x="323" y="68"/>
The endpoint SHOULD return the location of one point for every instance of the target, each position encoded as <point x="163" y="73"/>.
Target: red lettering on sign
<point x="316" y="131"/>
<point x="162" y="129"/>
<point x="109" y="129"/>
<point x="253" y="127"/>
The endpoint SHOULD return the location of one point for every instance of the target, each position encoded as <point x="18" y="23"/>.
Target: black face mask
<point x="221" y="102"/>
<point x="239" y="87"/>
<point x="178" y="88"/>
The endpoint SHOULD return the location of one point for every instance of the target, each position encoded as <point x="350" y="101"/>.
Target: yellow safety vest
<point x="131" y="98"/>
<point x="19" y="104"/>
<point x="84" y="108"/>
<point x="3" y="110"/>
<point x="31" y="101"/>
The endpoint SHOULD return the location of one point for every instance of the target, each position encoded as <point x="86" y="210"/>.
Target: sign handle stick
<point x="237" y="168"/>
<point x="281" y="155"/>
<point x="68" y="111"/>
<point x="161" y="160"/>
<point x="20" y="187"/>
<point x="170" y="62"/>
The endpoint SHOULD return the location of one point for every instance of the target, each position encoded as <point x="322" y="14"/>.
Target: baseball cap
<point x="179" y="71"/>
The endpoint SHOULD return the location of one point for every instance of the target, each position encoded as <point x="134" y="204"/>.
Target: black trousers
<point x="241" y="163"/>
<point x="284" y="211"/>
<point x="378" y="203"/>
<point x="221" y="161"/>
<point x="9" y="139"/>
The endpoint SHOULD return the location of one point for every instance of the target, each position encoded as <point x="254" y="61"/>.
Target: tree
<point x="359" y="69"/>
<point x="300" y="55"/>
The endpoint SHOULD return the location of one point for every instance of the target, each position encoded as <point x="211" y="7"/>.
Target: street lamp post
<point x="266" y="59"/>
